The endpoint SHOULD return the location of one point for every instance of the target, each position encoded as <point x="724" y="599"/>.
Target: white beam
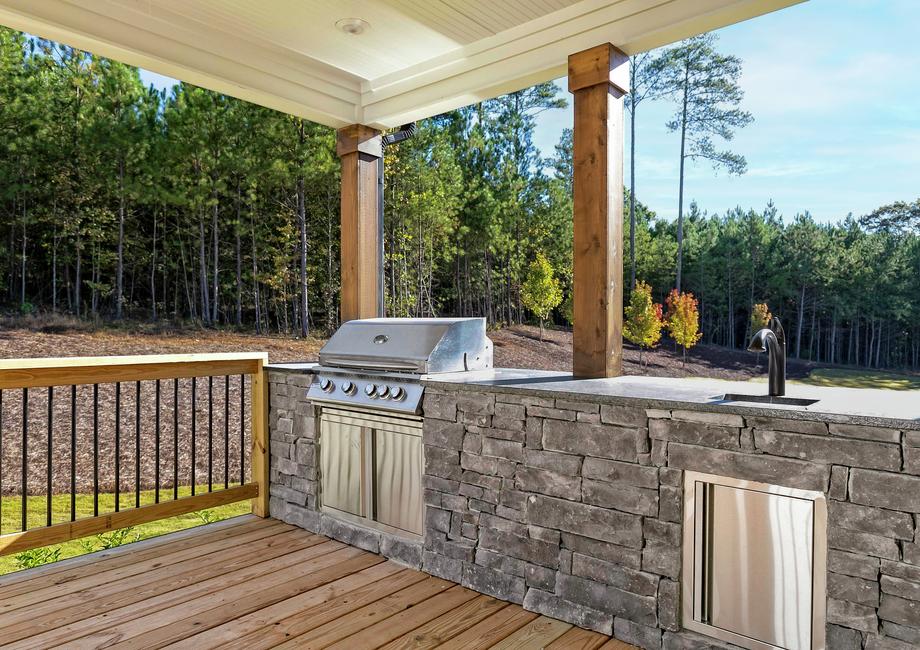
<point x="150" y="35"/>
<point x="538" y="51"/>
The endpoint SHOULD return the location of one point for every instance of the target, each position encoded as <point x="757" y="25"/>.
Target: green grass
<point x="60" y="508"/>
<point x="862" y="379"/>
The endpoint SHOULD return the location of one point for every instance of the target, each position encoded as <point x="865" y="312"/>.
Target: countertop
<point x="884" y="408"/>
<point x="895" y="409"/>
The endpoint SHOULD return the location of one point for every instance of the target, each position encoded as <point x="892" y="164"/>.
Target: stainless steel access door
<point x="757" y="559"/>
<point x="343" y="466"/>
<point x="398" y="470"/>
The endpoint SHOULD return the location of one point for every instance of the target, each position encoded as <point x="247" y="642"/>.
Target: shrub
<point x="643" y="318"/>
<point x="541" y="292"/>
<point x="683" y="320"/>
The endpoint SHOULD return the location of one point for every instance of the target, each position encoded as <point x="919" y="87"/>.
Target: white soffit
<point x="416" y="59"/>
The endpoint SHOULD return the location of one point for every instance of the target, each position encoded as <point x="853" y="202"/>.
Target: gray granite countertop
<point x="888" y="408"/>
<point x="897" y="409"/>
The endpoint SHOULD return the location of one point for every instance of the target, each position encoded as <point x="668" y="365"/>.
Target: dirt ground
<point x="520" y="347"/>
<point x="219" y="427"/>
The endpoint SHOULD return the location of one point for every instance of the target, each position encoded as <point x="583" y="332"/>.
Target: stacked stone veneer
<point x="573" y="508"/>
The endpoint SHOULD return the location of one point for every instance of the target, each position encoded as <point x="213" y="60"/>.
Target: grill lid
<point x="416" y="345"/>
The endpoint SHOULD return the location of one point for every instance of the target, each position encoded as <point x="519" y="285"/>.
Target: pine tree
<point x="643" y="318"/>
<point x="705" y="86"/>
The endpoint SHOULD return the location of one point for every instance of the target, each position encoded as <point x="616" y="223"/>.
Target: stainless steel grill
<point x="379" y="362"/>
<point x="369" y="388"/>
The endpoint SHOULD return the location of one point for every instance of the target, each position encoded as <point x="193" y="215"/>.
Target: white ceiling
<point x="418" y="57"/>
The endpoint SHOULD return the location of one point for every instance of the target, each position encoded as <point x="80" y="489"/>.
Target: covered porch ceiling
<point x="414" y="59"/>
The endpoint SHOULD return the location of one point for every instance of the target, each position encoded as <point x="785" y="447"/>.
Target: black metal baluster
<point x="156" y="453"/>
<point x="175" y="438"/>
<point x="194" y="422"/>
<point x="50" y="431"/>
<point x="210" y="434"/>
<point x="25" y="457"/>
<point x="73" y="453"/>
<point x="117" y="446"/>
<point x="137" y="445"/>
<point x="226" y="431"/>
<point x="242" y="429"/>
<point x="95" y="450"/>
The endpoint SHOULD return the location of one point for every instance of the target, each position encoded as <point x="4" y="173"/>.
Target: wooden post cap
<point x="358" y="138"/>
<point x="601" y="64"/>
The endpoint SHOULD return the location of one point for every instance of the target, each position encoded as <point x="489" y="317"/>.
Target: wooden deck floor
<point x="253" y="583"/>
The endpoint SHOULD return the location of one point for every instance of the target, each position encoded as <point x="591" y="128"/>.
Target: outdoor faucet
<point x="772" y="340"/>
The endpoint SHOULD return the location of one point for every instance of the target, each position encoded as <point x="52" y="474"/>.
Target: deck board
<point x="251" y="583"/>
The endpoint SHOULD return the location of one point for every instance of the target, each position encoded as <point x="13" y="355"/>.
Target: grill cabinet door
<point x="398" y="469"/>
<point x="342" y="460"/>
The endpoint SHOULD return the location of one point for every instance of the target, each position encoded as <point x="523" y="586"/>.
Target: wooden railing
<point x="137" y="433"/>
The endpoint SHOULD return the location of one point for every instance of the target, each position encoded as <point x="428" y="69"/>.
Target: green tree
<point x="541" y="291"/>
<point x="645" y="77"/>
<point x="704" y="84"/>
<point x="643" y="318"/>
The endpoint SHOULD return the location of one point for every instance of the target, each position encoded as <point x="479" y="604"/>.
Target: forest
<point x="120" y="202"/>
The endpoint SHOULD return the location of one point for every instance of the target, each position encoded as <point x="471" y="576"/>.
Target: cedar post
<point x="598" y="77"/>
<point x="360" y="149"/>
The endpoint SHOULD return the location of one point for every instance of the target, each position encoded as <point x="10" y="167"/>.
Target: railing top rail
<point x="69" y="371"/>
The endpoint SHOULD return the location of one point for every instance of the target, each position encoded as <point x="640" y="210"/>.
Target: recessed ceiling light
<point x="353" y="26"/>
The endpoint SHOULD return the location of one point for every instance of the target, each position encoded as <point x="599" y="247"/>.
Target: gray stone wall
<point x="573" y="508"/>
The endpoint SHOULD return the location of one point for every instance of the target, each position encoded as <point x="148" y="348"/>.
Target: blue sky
<point x="834" y="87"/>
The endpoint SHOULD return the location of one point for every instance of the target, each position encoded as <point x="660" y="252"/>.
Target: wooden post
<point x="359" y="147"/>
<point x="260" y="438"/>
<point x="598" y="78"/>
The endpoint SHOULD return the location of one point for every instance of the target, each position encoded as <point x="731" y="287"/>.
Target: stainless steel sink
<point x="767" y="399"/>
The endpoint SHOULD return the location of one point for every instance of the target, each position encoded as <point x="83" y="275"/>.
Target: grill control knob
<point x="349" y="388"/>
<point x="383" y="391"/>
<point x="326" y="385"/>
<point x="370" y="390"/>
<point x="397" y="394"/>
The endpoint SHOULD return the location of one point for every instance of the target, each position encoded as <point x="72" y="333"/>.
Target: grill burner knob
<point x="397" y="394"/>
<point x="370" y="390"/>
<point x="349" y="388"/>
<point x="326" y="385"/>
<point x="383" y="392"/>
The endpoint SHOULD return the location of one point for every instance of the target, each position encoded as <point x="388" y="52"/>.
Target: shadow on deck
<point x="252" y="583"/>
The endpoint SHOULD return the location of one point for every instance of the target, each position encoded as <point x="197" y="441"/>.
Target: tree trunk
<point x="77" y="278"/>
<point x="215" y="297"/>
<point x="239" y="260"/>
<point x="54" y="274"/>
<point x="798" y="329"/>
<point x="153" y="272"/>
<point x="255" y="274"/>
<point x="632" y="195"/>
<point x="203" y="273"/>
<point x="22" y="270"/>
<point x="120" y="267"/>
<point x="683" y="159"/>
<point x="302" y="224"/>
